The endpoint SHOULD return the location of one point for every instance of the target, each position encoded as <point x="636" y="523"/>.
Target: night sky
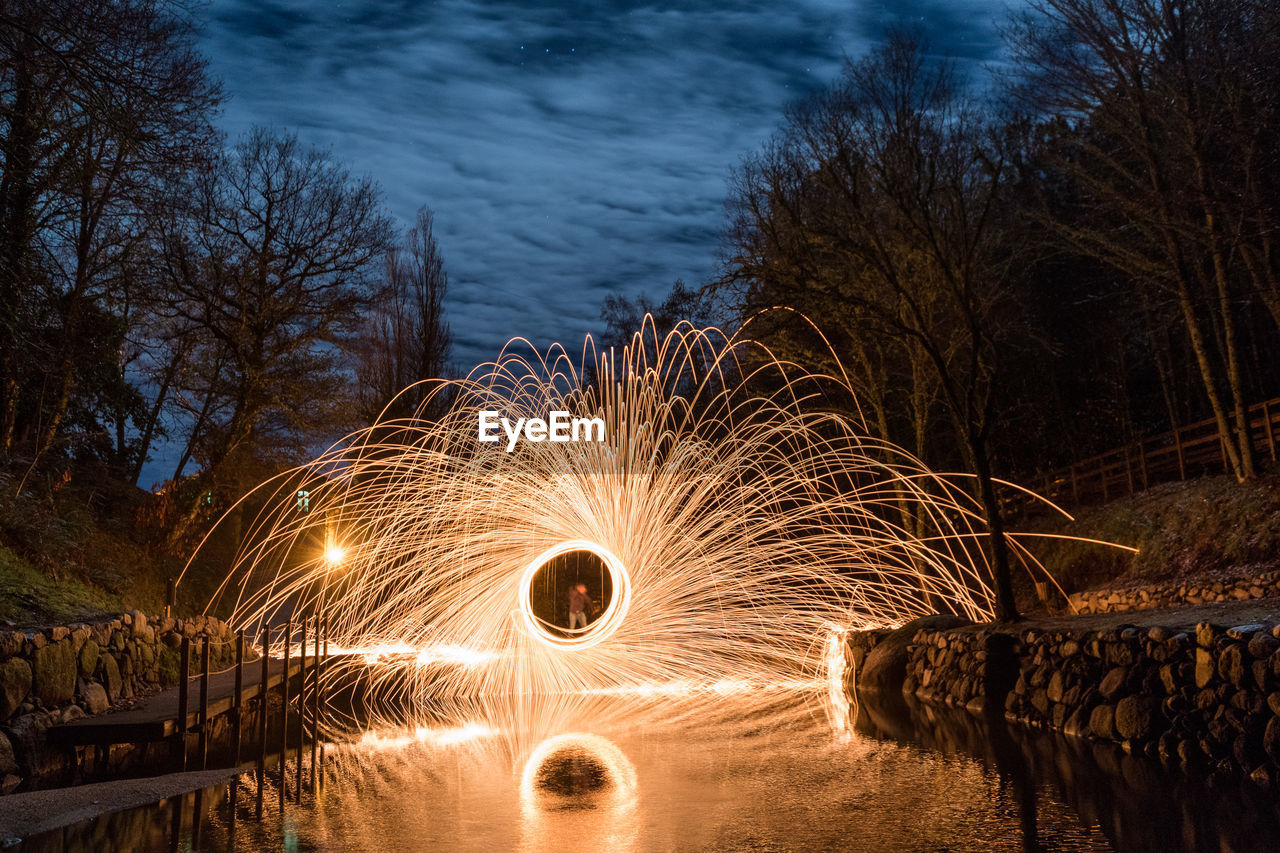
<point x="569" y="149"/>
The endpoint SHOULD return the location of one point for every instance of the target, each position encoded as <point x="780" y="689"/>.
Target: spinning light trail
<point x="741" y="508"/>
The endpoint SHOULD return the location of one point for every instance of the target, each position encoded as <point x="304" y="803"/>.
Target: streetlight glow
<point x="334" y="554"/>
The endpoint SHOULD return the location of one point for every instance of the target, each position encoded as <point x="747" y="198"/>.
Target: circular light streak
<point x="599" y="630"/>
<point x="620" y="774"/>
<point x="743" y="507"/>
<point x="548" y="815"/>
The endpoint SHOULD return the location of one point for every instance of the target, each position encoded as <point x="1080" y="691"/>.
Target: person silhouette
<point x="579" y="603"/>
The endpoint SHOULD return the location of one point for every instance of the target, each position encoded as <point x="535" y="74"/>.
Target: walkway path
<point x="156" y="718"/>
<point x="1224" y="613"/>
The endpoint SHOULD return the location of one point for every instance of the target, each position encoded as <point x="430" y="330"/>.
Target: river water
<point x="754" y="772"/>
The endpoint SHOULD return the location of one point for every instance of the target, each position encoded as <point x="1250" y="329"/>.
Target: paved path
<point x="35" y="812"/>
<point x="1224" y="613"/>
<point x="156" y="718"/>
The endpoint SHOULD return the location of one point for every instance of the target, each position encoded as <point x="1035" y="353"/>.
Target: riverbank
<point x="35" y="812"/>
<point x="1196" y="686"/>
<point x="55" y="675"/>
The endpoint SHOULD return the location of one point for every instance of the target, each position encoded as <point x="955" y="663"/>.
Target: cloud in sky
<point x="569" y="149"/>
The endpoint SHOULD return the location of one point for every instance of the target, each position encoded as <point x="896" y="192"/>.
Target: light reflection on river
<point x="620" y="773"/>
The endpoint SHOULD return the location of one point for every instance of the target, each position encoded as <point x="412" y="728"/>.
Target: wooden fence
<point x="1189" y="451"/>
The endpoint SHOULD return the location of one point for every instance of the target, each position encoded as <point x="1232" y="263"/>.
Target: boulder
<point x="1057" y="686"/>
<point x="1206" y="633"/>
<point x="1077" y="725"/>
<point x="88" y="658"/>
<point x="1205" y="668"/>
<point x="1113" y="682"/>
<point x="1137" y="717"/>
<point x="95" y="698"/>
<point x="1102" y="722"/>
<point x="1261" y="670"/>
<point x="1271" y="738"/>
<point x="15" y="684"/>
<point x="80" y="633"/>
<point x="8" y="763"/>
<point x="1263" y="645"/>
<point x="1263" y="777"/>
<point x="1169" y="679"/>
<point x="39" y="759"/>
<point x="101" y="633"/>
<point x="53" y="674"/>
<point x="885" y="668"/>
<point x="1231" y="665"/>
<point x="109" y="675"/>
<point x="11" y="643"/>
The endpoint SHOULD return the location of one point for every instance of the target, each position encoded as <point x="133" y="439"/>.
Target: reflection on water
<point x="573" y="782"/>
<point x="574" y="774"/>
<point x="706" y="773"/>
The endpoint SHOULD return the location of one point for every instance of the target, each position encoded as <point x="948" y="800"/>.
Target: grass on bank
<point x="71" y="548"/>
<point x="29" y="596"/>
<point x="1210" y="525"/>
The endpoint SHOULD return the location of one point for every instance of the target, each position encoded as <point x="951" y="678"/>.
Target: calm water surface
<point x="624" y="773"/>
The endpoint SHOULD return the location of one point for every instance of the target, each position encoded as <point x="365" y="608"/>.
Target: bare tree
<point x="624" y="317"/>
<point x="880" y="203"/>
<point x="270" y="264"/>
<point x="1160" y="116"/>
<point x="99" y="99"/>
<point x="405" y="338"/>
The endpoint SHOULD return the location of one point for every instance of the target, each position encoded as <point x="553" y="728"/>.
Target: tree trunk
<point x="17" y="198"/>
<point x="997" y="545"/>
<point x="65" y="375"/>
<point x="1200" y="347"/>
<point x="1244" y="440"/>
<point x="153" y="419"/>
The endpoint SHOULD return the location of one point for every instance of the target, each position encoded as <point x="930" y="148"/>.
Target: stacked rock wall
<point x="858" y="644"/>
<point x="960" y="667"/>
<point x="1203" y="697"/>
<point x="55" y="675"/>
<point x="1208" y="697"/>
<point x="1203" y="590"/>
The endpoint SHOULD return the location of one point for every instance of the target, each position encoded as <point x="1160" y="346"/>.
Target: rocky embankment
<point x="55" y="675"/>
<point x="1208" y="589"/>
<point x="1208" y="696"/>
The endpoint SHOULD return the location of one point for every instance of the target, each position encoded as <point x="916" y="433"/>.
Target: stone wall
<point x="858" y="644"/>
<point x="54" y="675"/>
<point x="960" y="667"/>
<point x="1202" y="590"/>
<point x="1209" y="697"/>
